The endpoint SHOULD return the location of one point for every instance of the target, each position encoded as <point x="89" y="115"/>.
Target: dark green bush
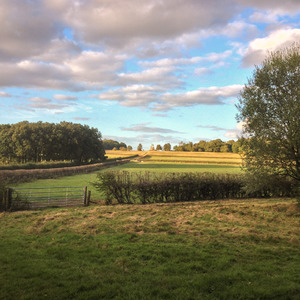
<point x="151" y="187"/>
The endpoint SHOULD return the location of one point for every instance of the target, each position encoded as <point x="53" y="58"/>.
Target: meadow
<point x="229" y="249"/>
<point x="242" y="249"/>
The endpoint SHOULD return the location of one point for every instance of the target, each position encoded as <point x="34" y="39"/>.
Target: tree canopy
<point x="111" y="144"/>
<point x="270" y="106"/>
<point x="211" y="146"/>
<point x="34" y="142"/>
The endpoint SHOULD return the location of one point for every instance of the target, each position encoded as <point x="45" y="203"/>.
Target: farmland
<point x="144" y="163"/>
<point x="230" y="249"/>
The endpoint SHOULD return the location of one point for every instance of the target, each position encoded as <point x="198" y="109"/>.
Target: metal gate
<point x="31" y="198"/>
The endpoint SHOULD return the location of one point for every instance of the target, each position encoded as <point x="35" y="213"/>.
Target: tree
<point x="129" y="148"/>
<point x="214" y="145"/>
<point x="140" y="147"/>
<point x="270" y="106"/>
<point x="34" y="142"/>
<point x="158" y="147"/>
<point x="167" y="147"/>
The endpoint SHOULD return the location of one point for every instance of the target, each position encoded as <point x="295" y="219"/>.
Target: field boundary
<point x="24" y="175"/>
<point x="41" y="197"/>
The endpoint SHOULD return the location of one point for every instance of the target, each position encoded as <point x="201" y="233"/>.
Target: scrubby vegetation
<point x="152" y="187"/>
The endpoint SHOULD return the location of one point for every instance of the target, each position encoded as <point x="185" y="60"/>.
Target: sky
<point x="140" y="71"/>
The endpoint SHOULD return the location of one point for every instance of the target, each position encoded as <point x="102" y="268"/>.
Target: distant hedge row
<point x="18" y="176"/>
<point x="150" y="187"/>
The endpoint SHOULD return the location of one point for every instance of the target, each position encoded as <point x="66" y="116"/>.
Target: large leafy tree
<point x="270" y="106"/>
<point x="35" y="142"/>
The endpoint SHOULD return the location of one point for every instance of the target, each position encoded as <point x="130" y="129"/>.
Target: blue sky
<point x="150" y="72"/>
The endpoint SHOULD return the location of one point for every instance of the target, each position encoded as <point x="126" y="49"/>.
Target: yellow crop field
<point x="177" y="156"/>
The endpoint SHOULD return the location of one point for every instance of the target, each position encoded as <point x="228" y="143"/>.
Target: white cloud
<point x="267" y="17"/>
<point x="134" y="95"/>
<point x="4" y="94"/>
<point x="282" y="7"/>
<point x="145" y="128"/>
<point x="239" y="28"/>
<point x="202" y="96"/>
<point x="259" y="48"/>
<point x="236" y="132"/>
<point x="65" y="97"/>
<point x="202" y="71"/>
<point x="26" y="28"/>
<point x="118" y="22"/>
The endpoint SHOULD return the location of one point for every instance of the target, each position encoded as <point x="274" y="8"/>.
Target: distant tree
<point x="129" y="148"/>
<point x="111" y="144"/>
<point x="200" y="146"/>
<point x="214" y="145"/>
<point x="270" y="105"/>
<point x="167" y="147"/>
<point x="140" y="147"/>
<point x="158" y="148"/>
<point x="237" y="146"/>
<point x="123" y="149"/>
<point x="225" y="148"/>
<point x="152" y="148"/>
<point x="34" y="142"/>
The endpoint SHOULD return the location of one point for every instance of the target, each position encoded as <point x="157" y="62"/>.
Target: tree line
<point x="35" y="142"/>
<point x="211" y="146"/>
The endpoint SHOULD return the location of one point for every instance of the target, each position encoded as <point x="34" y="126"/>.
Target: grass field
<point x="206" y="250"/>
<point x="87" y="179"/>
<point x="242" y="249"/>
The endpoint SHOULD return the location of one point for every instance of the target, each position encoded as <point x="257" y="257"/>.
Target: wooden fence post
<point x="88" y="199"/>
<point x="3" y="204"/>
<point x="8" y="198"/>
<point x="85" y="196"/>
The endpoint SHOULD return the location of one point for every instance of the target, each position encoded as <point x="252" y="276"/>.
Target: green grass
<point x="87" y="179"/>
<point x="178" y="167"/>
<point x="205" y="250"/>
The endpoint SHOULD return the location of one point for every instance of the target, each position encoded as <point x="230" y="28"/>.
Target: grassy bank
<point x="208" y="250"/>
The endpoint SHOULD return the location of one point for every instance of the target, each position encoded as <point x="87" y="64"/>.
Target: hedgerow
<point x="150" y="187"/>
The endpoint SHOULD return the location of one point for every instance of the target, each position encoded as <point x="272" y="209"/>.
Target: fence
<point x="31" y="198"/>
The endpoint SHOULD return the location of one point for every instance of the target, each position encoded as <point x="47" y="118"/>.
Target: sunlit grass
<point x="178" y="167"/>
<point x="87" y="179"/>
<point x="246" y="249"/>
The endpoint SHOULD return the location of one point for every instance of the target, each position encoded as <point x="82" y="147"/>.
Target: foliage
<point x="35" y="142"/>
<point x="167" y="147"/>
<point x="111" y="144"/>
<point x="270" y="104"/>
<point x="158" y="147"/>
<point x="151" y="187"/>
<point x="140" y="147"/>
<point x="211" y="146"/>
